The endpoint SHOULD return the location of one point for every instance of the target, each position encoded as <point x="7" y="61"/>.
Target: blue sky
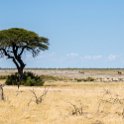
<point x="82" y="33"/>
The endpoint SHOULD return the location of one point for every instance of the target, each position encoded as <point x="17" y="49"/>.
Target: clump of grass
<point x="53" y="78"/>
<point x="98" y="122"/>
<point x="79" y="80"/>
<point x="88" y="79"/>
<point x="50" y="78"/>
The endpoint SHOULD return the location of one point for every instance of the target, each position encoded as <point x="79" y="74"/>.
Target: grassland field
<point x="66" y="102"/>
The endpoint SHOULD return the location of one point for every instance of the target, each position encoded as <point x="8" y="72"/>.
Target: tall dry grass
<point x="95" y="99"/>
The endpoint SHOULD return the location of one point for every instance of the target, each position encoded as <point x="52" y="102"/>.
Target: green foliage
<point x="21" y="40"/>
<point x="3" y="77"/>
<point x="12" y="79"/>
<point x="13" y="43"/>
<point x="29" y="79"/>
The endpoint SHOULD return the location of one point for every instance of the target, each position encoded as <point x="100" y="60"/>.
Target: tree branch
<point x="6" y="53"/>
<point x="22" y="50"/>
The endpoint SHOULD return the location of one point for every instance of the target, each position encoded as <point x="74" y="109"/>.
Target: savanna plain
<point x="70" y="96"/>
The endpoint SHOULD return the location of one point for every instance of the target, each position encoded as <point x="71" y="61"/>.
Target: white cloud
<point x="72" y="55"/>
<point x="72" y="59"/>
<point x="92" y="57"/>
<point x="81" y="57"/>
<point x="112" y="57"/>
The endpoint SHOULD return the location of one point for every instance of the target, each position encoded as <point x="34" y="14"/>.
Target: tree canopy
<point x="15" y="41"/>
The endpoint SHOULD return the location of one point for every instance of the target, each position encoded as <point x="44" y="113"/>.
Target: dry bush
<point x="115" y="102"/>
<point x="109" y="104"/>
<point x="77" y="109"/>
<point x="38" y="99"/>
<point x="98" y="122"/>
<point x="2" y="97"/>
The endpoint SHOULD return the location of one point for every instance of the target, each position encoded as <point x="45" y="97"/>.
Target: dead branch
<point x="38" y="99"/>
<point x="1" y="92"/>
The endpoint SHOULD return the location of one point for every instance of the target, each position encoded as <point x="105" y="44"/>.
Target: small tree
<point x="15" y="41"/>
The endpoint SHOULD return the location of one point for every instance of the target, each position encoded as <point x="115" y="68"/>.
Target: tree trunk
<point x="20" y="78"/>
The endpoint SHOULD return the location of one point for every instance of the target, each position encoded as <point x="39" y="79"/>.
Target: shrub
<point x="29" y="79"/>
<point x="12" y="79"/>
<point x="89" y="79"/>
<point x="85" y="79"/>
<point x="79" y="80"/>
<point x="3" y="77"/>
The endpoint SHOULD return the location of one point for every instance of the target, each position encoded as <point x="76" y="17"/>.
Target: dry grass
<point x="100" y="104"/>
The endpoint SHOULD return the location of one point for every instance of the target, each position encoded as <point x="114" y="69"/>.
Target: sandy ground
<point x="73" y="73"/>
<point x="64" y="103"/>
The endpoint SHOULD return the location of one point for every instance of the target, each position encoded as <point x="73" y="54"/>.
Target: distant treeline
<point x="65" y="68"/>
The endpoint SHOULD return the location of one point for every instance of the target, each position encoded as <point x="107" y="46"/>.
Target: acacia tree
<point x="16" y="41"/>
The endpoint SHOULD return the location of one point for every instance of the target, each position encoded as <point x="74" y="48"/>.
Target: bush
<point x="12" y="79"/>
<point x="89" y="79"/>
<point x="29" y="79"/>
<point x="3" y="77"/>
<point x="79" y="80"/>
